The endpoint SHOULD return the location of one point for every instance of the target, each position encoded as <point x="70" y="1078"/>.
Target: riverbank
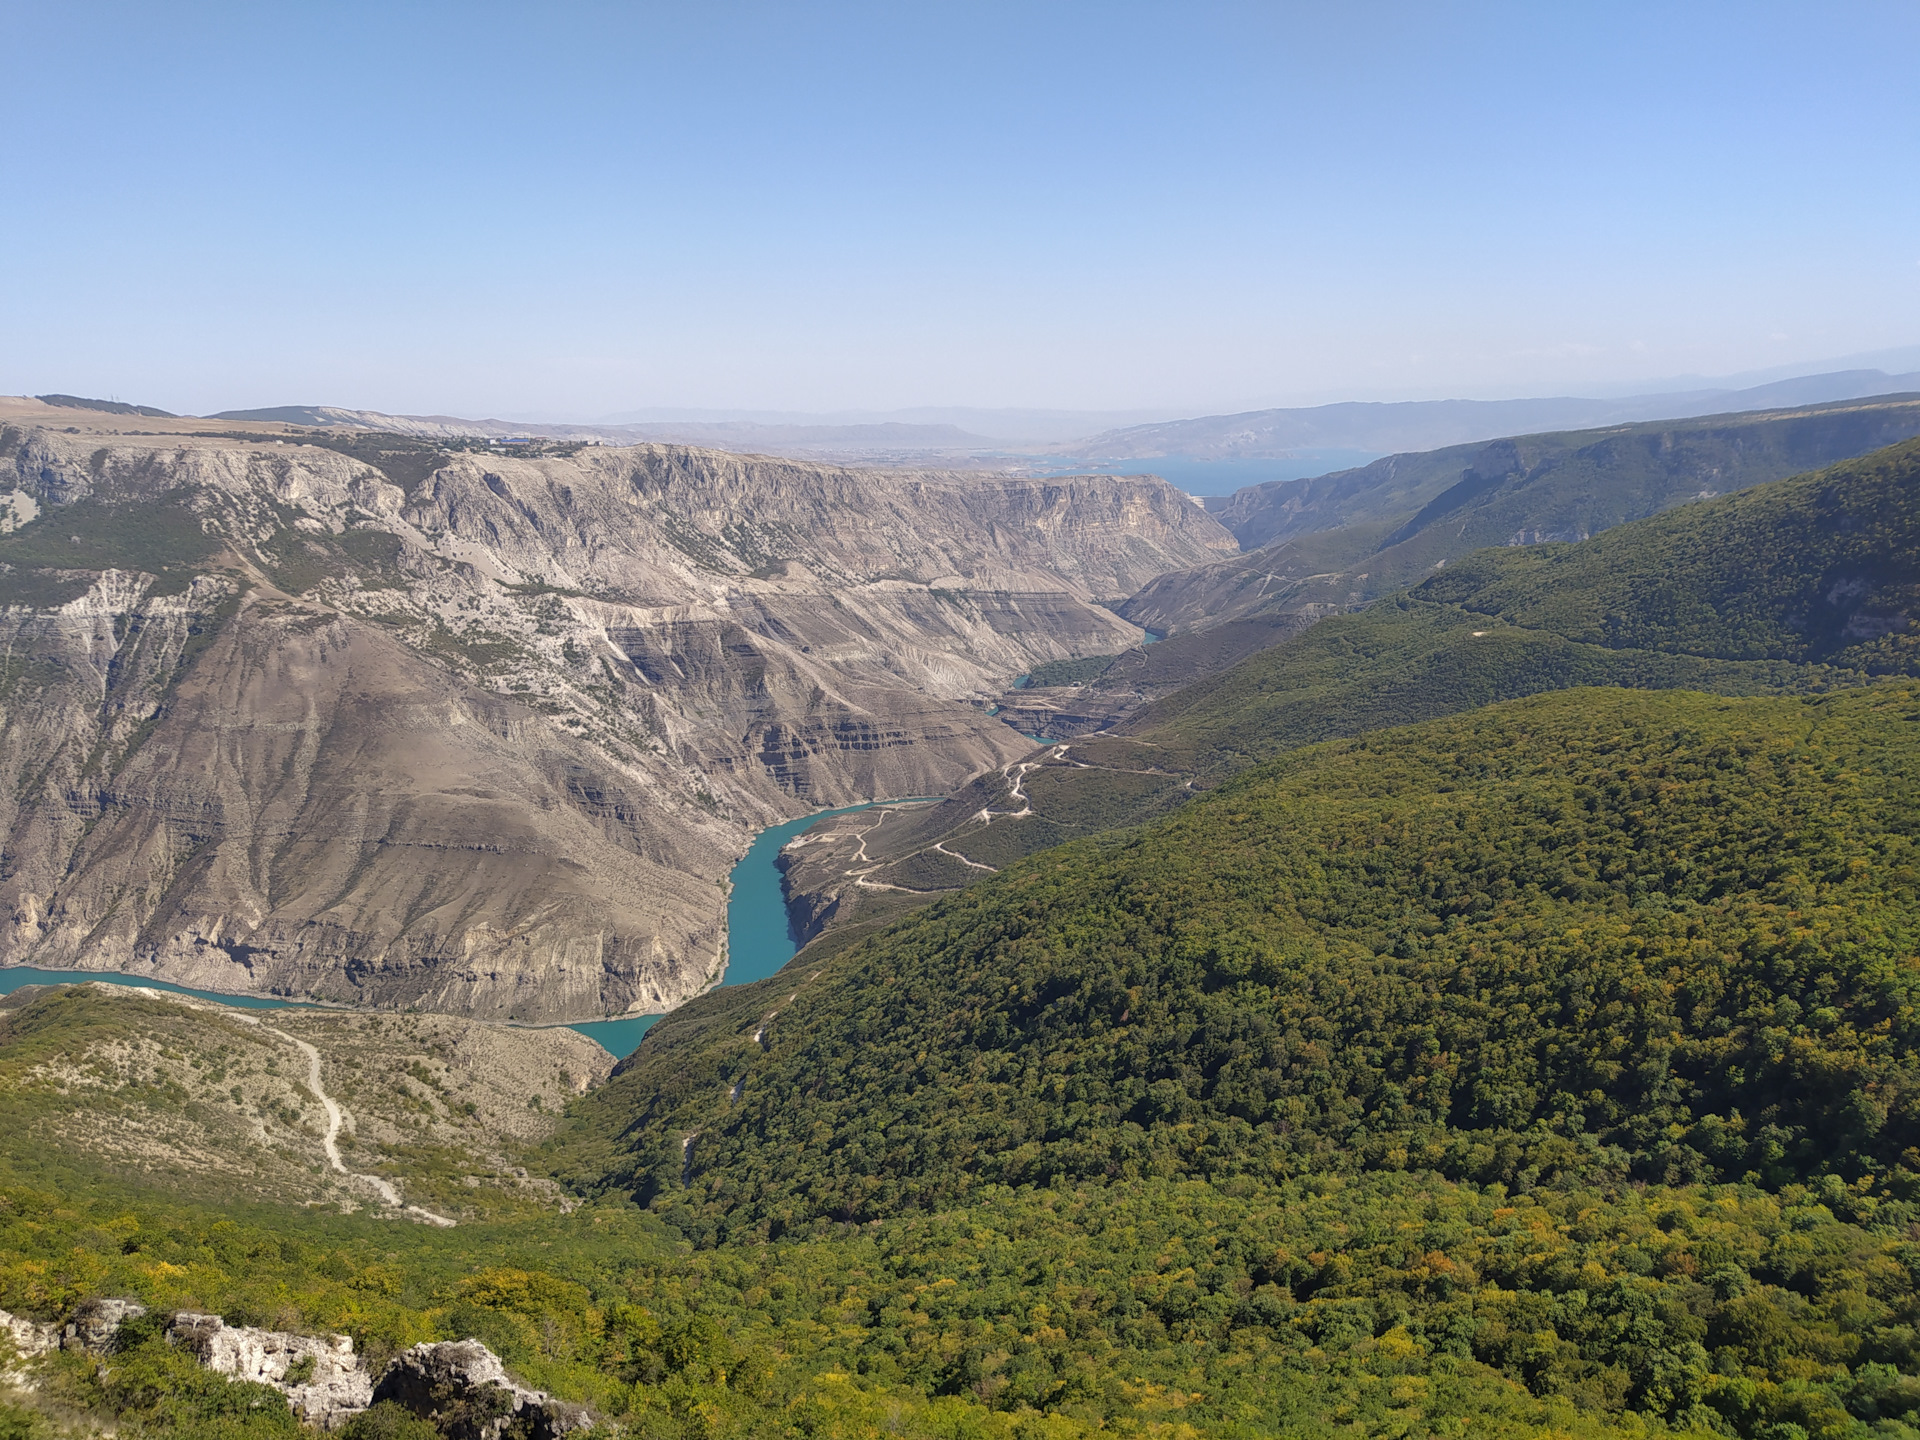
<point x="759" y="941"/>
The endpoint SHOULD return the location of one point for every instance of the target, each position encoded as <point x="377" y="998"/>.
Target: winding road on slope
<point x="336" y="1119"/>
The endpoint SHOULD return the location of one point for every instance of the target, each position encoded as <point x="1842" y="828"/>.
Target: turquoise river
<point x="759" y="942"/>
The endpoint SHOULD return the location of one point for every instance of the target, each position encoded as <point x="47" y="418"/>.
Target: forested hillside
<point x="1800" y="586"/>
<point x="1824" y="569"/>
<point x="1346" y="538"/>
<point x="1378" y="1305"/>
<point x="1562" y="949"/>
<point x="1542" y="938"/>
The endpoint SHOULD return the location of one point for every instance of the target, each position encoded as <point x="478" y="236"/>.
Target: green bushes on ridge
<point x="1822" y="568"/>
<point x="1593" y="935"/>
<point x="1405" y="660"/>
<point x="1387" y="1304"/>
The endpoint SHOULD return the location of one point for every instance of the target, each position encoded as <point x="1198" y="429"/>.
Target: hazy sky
<point x="565" y="210"/>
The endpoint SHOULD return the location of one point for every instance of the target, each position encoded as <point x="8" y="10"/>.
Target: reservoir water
<point x="759" y="931"/>
<point x="759" y="941"/>
<point x="13" y="977"/>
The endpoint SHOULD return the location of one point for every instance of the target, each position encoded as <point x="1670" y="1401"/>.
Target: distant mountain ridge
<point x="1371" y="427"/>
<point x="110" y="407"/>
<point x="1339" y="540"/>
<point x="1805" y="583"/>
<point x="1383" y="427"/>
<point x="735" y="435"/>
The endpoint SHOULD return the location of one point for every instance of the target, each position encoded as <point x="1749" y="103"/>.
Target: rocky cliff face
<point x="407" y="725"/>
<point x="315" y="809"/>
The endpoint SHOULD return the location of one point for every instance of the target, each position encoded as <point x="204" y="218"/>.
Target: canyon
<point x="394" y="722"/>
<point x="437" y="722"/>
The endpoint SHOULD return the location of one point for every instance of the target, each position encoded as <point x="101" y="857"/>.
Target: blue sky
<point x="567" y="210"/>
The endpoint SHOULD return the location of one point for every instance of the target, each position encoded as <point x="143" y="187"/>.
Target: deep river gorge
<point x="759" y="942"/>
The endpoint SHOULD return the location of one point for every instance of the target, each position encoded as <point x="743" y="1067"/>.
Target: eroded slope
<point x="402" y="723"/>
<point x="217" y="1103"/>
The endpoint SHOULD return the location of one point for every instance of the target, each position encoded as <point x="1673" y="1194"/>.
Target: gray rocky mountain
<point x="400" y="722"/>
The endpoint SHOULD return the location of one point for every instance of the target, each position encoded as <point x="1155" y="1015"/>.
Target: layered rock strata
<point x="483" y="733"/>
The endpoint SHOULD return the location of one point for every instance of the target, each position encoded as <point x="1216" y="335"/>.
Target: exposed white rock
<point x="17" y="509"/>
<point x="459" y="1384"/>
<point x="327" y="1384"/>
<point x="115" y="593"/>
<point x="30" y="1340"/>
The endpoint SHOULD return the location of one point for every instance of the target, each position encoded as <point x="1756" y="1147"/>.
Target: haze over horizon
<point x="598" y="210"/>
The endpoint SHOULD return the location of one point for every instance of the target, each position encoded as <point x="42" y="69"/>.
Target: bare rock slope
<point x="397" y="722"/>
<point x="423" y="1117"/>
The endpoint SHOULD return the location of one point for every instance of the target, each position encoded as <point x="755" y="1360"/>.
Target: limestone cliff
<point x="396" y="723"/>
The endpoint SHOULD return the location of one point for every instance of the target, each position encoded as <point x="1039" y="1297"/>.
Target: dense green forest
<point x="1407" y="659"/>
<point x="1620" y="962"/>
<point x="1549" y="937"/>
<point x="1383" y="1304"/>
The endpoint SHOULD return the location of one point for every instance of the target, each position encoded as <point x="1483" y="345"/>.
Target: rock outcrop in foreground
<point x="30" y="1340"/>
<point x="458" y="1385"/>
<point x="322" y="1379"/>
<point x="463" y="1388"/>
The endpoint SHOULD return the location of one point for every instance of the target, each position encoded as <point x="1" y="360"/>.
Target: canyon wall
<point x="480" y="732"/>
